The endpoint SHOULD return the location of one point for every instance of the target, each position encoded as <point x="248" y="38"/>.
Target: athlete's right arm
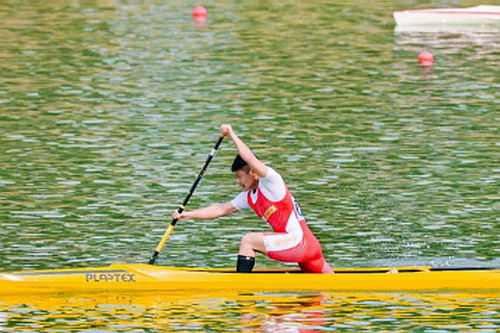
<point x="206" y="213"/>
<point x="245" y="152"/>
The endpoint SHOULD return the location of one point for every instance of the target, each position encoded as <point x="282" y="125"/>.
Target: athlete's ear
<point x="252" y="172"/>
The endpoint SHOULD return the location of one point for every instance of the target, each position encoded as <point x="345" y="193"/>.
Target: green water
<point x="109" y="108"/>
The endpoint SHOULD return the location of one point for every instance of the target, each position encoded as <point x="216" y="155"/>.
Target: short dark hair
<point x="238" y="163"/>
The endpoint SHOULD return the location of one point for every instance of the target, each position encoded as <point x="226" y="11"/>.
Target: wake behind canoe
<point x="142" y="277"/>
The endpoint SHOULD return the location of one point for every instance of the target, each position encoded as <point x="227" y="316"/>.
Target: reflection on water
<point x="152" y="312"/>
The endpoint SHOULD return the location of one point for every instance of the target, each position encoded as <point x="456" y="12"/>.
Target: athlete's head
<point x="245" y="176"/>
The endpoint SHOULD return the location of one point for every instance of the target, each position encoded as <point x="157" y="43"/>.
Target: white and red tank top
<point x="273" y="202"/>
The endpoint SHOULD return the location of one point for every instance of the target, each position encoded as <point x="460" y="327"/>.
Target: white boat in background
<point x="479" y="16"/>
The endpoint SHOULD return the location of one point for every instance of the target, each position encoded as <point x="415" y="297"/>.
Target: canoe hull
<point x="142" y="277"/>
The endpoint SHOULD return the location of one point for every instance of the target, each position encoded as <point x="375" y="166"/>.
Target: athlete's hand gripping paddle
<point x="181" y="208"/>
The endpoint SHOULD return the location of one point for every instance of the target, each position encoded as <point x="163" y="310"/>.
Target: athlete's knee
<point x="250" y="238"/>
<point x="246" y="241"/>
<point x="254" y="241"/>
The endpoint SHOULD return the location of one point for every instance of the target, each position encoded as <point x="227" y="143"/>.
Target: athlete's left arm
<point x="245" y="152"/>
<point x="206" y="213"/>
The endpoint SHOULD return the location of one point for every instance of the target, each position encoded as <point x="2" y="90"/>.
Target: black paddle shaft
<point x="198" y="179"/>
<point x="181" y="208"/>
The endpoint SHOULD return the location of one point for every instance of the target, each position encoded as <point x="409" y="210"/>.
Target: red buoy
<point x="426" y="58"/>
<point x="199" y="12"/>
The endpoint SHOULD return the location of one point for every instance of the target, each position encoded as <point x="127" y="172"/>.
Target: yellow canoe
<point x="143" y="277"/>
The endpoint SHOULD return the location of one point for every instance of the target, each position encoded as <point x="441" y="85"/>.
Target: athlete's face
<point x="247" y="179"/>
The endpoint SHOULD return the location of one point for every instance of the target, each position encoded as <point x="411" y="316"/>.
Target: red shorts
<point x="303" y="249"/>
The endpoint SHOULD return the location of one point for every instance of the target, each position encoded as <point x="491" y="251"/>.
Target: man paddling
<point x="266" y="193"/>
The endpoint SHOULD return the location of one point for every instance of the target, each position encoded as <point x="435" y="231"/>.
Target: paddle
<point x="181" y="208"/>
